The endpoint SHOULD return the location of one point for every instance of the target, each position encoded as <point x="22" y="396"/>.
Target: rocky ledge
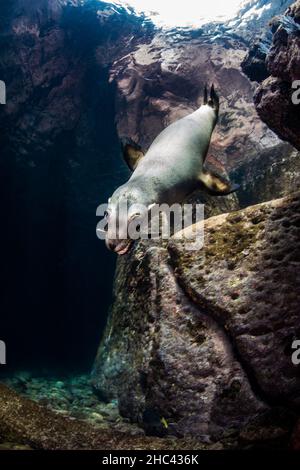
<point x="198" y="343"/>
<point x="273" y="97"/>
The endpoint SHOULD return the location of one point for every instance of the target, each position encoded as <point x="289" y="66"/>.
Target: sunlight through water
<point x="189" y="13"/>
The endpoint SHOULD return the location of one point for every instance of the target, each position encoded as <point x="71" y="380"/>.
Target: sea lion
<point x="171" y="169"/>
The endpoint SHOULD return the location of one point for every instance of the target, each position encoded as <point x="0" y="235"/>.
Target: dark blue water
<point x="56" y="277"/>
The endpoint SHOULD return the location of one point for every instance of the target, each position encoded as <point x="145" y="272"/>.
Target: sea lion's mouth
<point x="122" y="249"/>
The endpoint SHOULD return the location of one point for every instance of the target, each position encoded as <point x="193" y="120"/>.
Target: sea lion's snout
<point x="116" y="238"/>
<point x="121" y="247"/>
<point x="111" y="244"/>
<point x="125" y="219"/>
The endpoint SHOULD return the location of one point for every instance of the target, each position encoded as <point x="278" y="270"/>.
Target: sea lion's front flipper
<point x="132" y="153"/>
<point x="217" y="184"/>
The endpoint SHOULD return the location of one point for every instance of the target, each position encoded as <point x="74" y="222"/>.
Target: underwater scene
<point x="150" y="231"/>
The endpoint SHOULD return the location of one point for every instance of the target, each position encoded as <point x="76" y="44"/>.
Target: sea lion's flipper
<point x="214" y="101"/>
<point x="205" y="95"/>
<point x="132" y="153"/>
<point x="216" y="184"/>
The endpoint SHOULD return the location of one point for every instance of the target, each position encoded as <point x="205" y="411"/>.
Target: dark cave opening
<point x="59" y="159"/>
<point x="56" y="276"/>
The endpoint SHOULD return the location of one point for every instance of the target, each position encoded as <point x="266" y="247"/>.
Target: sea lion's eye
<point x="105" y="214"/>
<point x="138" y="228"/>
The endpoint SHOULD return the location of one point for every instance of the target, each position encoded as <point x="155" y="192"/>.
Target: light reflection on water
<point x="168" y="13"/>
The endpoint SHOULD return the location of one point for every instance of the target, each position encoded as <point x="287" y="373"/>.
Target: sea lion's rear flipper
<point x="132" y="153"/>
<point x="213" y="100"/>
<point x="216" y="184"/>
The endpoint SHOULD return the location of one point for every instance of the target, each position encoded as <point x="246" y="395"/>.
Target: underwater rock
<point x="25" y="424"/>
<point x="273" y="97"/>
<point x="53" y="50"/>
<point x="277" y="173"/>
<point x="202" y="339"/>
<point x="254" y="64"/>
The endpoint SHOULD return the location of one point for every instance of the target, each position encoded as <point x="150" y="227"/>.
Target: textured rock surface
<point x="203" y="338"/>
<point x="52" y="50"/>
<point x="270" y="176"/>
<point x="254" y="64"/>
<point x="273" y="97"/>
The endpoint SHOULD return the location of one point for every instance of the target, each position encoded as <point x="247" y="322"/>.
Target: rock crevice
<point x="219" y="318"/>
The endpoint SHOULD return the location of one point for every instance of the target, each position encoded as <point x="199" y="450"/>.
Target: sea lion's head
<point x="126" y="214"/>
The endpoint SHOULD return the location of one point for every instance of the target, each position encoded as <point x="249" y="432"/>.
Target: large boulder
<point x="273" y="97"/>
<point x="202" y="339"/>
